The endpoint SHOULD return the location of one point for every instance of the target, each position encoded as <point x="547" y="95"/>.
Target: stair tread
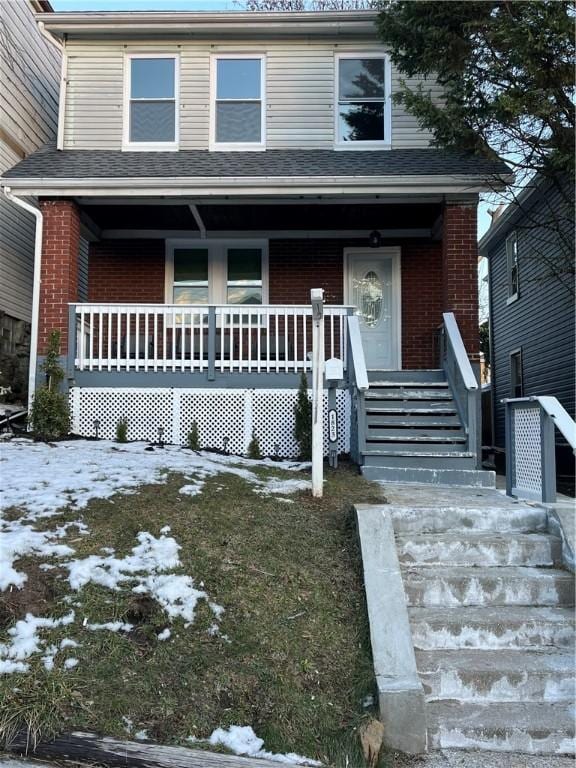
<point x="407" y="395"/>
<point x="488" y="571"/>
<point x="419" y="439"/>
<point x="477" y="536"/>
<point x="544" y="661"/>
<point x="439" y="454"/>
<point x="399" y="384"/>
<point x="407" y="411"/>
<point x="504" y="716"/>
<point x="475" y="615"/>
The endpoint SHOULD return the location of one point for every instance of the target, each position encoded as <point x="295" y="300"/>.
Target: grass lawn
<point x="291" y="657"/>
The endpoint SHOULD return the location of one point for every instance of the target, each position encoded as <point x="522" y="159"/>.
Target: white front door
<point x="374" y="289"/>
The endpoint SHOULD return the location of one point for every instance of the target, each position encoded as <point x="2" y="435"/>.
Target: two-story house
<point x="221" y="165"/>
<point x="29" y="77"/>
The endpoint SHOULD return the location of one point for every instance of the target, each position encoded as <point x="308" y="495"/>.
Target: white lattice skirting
<point x="219" y="413"/>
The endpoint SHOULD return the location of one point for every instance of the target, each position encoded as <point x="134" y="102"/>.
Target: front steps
<point x="413" y="433"/>
<point x="492" y="622"/>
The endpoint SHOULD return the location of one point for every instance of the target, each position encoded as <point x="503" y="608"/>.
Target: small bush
<point x="254" y="451"/>
<point x="50" y="415"/>
<point x="193" y="438"/>
<point x="303" y="420"/>
<point x="122" y="430"/>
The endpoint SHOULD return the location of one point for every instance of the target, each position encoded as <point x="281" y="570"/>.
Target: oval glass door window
<point x="368" y="298"/>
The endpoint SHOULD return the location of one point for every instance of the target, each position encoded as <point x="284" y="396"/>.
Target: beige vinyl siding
<point x="300" y="92"/>
<point x="29" y="78"/>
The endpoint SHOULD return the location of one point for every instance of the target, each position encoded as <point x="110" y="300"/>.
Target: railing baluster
<point x="331" y="335"/>
<point x="81" y="354"/>
<point x="146" y="338"/>
<point x="155" y="350"/>
<point x="222" y="329"/>
<point x="109" y="350"/>
<point x="240" y="350"/>
<point x="91" y="340"/>
<point x="118" y="338"/>
<point x="295" y="316"/>
<point x="182" y="339"/>
<point x="100" y="331"/>
<point x="137" y="341"/>
<point x="304" y="344"/>
<point x="249" y="340"/>
<point x="164" y="340"/>
<point x="201" y="326"/>
<point x="192" y="347"/>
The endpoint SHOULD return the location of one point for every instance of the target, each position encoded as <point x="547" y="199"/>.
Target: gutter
<point x="35" y="289"/>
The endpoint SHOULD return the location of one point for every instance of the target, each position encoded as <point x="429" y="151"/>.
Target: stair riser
<point x="375" y="431"/>
<point x="426" y="407"/>
<point x="530" y="636"/>
<point x="386" y="444"/>
<point x="419" y="462"/>
<point x="442" y="519"/>
<point x="540" y="553"/>
<point x="409" y="394"/>
<point x="425" y="376"/>
<point x="544" y="590"/>
<point x="426" y="423"/>
<point x="507" y="738"/>
<point x="470" y="478"/>
<point x="486" y="687"/>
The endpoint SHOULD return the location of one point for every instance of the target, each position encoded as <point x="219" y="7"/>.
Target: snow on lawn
<point x="41" y="479"/>
<point x="242" y="740"/>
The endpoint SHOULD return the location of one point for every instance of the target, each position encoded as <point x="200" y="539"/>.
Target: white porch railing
<point x="186" y="338"/>
<point x="530" y="445"/>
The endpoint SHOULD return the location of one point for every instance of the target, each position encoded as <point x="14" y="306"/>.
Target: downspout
<point x="37" y="213"/>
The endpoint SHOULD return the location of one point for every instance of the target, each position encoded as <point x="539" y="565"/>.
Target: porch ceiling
<point x="237" y="218"/>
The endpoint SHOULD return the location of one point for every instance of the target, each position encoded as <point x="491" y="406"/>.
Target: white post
<point x="317" y="299"/>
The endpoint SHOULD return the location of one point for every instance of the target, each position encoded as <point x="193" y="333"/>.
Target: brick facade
<point x="460" y="271"/>
<point x="59" y="271"/>
<point x="126" y="270"/>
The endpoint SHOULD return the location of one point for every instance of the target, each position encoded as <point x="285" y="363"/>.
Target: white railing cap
<point x="455" y="338"/>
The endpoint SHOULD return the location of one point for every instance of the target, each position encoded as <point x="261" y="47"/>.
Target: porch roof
<point x="49" y="164"/>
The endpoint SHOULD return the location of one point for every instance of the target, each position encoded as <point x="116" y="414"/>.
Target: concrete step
<point x="479" y="548"/>
<point x="513" y="517"/>
<point x="518" y="627"/>
<point x="454" y="586"/>
<point x="471" y="478"/>
<point x="412" y="408"/>
<point x="533" y="728"/>
<point x="421" y="375"/>
<point x="418" y="459"/>
<point x="503" y="675"/>
<point x="426" y="422"/>
<point x="399" y="393"/>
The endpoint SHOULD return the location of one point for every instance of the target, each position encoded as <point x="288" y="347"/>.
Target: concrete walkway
<point x="460" y="759"/>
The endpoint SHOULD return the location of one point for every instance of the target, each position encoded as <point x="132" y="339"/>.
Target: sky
<point x="196" y="5"/>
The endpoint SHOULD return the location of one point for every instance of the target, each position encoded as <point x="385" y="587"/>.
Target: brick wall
<point x="296" y="266"/>
<point x="460" y="270"/>
<point x="126" y="270"/>
<point x="421" y="267"/>
<point x="59" y="271"/>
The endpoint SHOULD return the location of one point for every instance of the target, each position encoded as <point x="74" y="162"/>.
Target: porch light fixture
<point x="375" y="239"/>
<point x="96" y="423"/>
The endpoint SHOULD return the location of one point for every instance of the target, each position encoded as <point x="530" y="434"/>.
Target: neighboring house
<point x="221" y="166"/>
<point x="530" y="252"/>
<point x="29" y="77"/>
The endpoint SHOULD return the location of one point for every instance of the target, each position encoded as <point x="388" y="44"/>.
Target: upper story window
<point x="151" y="116"/>
<point x="363" y="100"/>
<point x="238" y="117"/>
<point x="512" y="267"/>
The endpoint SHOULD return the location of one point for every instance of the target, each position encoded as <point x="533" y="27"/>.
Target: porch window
<point x="152" y="91"/>
<point x="238" y="108"/>
<point x="244" y="284"/>
<point x="190" y="276"/>
<point x="512" y="267"/>
<point x="363" y="95"/>
<point x="516" y="375"/>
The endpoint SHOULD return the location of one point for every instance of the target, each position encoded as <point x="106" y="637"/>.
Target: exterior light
<point x="375" y="239"/>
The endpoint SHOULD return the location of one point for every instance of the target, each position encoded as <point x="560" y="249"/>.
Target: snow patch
<point x="242" y="740"/>
<point x="26" y="642"/>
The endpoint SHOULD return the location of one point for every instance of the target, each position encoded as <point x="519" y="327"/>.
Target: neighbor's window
<point x="516" y="378"/>
<point x="152" y="100"/>
<point x="512" y="262"/>
<point x="244" y="284"/>
<point x="362" y="100"/>
<point x="238" y="102"/>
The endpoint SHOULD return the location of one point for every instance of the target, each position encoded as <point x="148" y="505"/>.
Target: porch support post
<point x="211" y="343"/>
<point x="59" y="271"/>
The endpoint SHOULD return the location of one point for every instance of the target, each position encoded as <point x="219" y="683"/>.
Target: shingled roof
<point x="50" y="163"/>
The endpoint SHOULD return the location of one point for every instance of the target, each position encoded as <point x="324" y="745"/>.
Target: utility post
<point x="317" y="300"/>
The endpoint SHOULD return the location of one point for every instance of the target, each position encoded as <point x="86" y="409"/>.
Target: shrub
<point x="50" y="415"/>
<point x="303" y="419"/>
<point x="254" y="451"/>
<point x="122" y="430"/>
<point x="193" y="438"/>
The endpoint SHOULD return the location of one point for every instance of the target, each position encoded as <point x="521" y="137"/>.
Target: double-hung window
<point x="151" y="111"/>
<point x="363" y="100"/>
<point x="512" y="267"/>
<point x="237" y="114"/>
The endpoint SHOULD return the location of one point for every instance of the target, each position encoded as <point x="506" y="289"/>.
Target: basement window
<point x="237" y="115"/>
<point x="151" y="102"/>
<point x="363" y="101"/>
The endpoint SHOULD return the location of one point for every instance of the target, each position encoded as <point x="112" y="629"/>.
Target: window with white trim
<point x="151" y="118"/>
<point x="363" y="100"/>
<point x="216" y="273"/>
<point x="238" y="102"/>
<point x="512" y="267"/>
<point x="516" y="374"/>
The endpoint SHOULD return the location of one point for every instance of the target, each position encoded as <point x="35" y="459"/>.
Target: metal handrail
<point x="564" y="423"/>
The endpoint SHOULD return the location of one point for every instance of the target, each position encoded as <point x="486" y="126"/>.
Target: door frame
<point x="393" y="252"/>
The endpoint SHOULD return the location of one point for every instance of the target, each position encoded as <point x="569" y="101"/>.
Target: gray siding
<point x="299" y="85"/>
<point x="29" y="74"/>
<point x="541" y="321"/>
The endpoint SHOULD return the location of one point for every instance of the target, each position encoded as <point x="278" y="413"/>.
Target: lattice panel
<point x="219" y="413"/>
<point x="527" y="459"/>
<point x="145" y="409"/>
